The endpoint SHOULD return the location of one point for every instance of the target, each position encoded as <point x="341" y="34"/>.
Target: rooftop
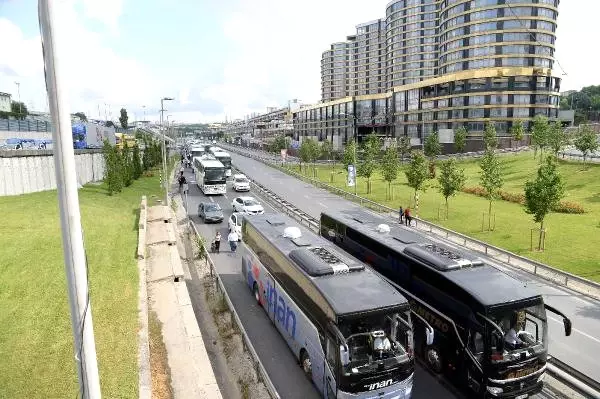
<point x="358" y="290"/>
<point x="487" y="284"/>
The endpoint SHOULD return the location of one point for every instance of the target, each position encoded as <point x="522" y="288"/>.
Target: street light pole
<point x="19" y="97"/>
<point x="68" y="200"/>
<point x="164" y="152"/>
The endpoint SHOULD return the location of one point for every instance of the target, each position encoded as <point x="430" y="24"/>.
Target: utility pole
<point x="68" y="199"/>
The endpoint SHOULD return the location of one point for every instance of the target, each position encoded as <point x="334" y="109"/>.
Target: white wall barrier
<point x="23" y="172"/>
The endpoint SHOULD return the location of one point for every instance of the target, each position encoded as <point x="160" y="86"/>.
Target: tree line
<point x="123" y="166"/>
<point x="541" y="195"/>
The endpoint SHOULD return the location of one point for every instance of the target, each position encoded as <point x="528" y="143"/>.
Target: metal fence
<point x="26" y="125"/>
<point x="549" y="273"/>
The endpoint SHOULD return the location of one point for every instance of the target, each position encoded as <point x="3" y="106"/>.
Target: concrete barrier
<point x="30" y="171"/>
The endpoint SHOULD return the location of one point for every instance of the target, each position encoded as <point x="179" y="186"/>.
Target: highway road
<point x="579" y="350"/>
<point x="278" y="360"/>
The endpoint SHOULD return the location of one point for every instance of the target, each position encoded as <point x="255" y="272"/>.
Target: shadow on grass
<point x="594" y="198"/>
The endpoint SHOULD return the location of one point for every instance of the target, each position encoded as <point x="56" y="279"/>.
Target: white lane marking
<point x="323" y="205"/>
<point x="226" y="197"/>
<point x="211" y="199"/>
<point x="575" y="330"/>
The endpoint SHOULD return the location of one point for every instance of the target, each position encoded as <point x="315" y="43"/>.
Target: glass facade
<point x="441" y="64"/>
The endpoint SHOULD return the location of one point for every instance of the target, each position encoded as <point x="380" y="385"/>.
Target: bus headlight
<point x="495" y="390"/>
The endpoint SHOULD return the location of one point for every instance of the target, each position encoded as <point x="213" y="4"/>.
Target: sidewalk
<point x="190" y="368"/>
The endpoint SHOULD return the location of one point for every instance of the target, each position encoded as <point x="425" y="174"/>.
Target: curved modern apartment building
<point x="448" y="64"/>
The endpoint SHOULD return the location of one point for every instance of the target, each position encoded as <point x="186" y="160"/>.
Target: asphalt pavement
<point x="579" y="350"/>
<point x="278" y="360"/>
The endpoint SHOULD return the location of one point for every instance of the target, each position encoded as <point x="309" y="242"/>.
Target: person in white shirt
<point x="233" y="239"/>
<point x="512" y="337"/>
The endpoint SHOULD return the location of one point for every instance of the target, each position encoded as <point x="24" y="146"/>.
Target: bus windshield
<point x="214" y="175"/>
<point x="226" y="161"/>
<point x="378" y="342"/>
<point x="520" y="330"/>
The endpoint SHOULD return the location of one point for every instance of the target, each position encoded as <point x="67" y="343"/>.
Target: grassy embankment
<point x="571" y="239"/>
<point x="36" y="343"/>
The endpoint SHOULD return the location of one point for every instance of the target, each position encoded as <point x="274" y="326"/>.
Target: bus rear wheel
<point x="305" y="363"/>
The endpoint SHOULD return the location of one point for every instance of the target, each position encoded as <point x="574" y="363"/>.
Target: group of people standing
<point x="405" y="216"/>
<point x="232" y="238"/>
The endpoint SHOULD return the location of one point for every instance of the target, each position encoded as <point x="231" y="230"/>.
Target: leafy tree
<point x="109" y="124"/>
<point x="280" y="143"/>
<point x="137" y="164"/>
<point x="367" y="167"/>
<point x="517" y="131"/>
<point x="491" y="178"/>
<point x="451" y="179"/>
<point x="112" y="168"/>
<point x="557" y="137"/>
<point x="417" y="173"/>
<point x="19" y="110"/>
<point x="127" y="165"/>
<point x="460" y="139"/>
<point x="432" y="149"/>
<point x="326" y="151"/>
<point x="304" y="151"/>
<point x="349" y="156"/>
<point x="390" y="166"/>
<point x="539" y="134"/>
<point x="404" y="147"/>
<point x="544" y="193"/>
<point x="81" y="116"/>
<point x="490" y="138"/>
<point x="123" y="119"/>
<point x="586" y="141"/>
<point x="314" y="152"/>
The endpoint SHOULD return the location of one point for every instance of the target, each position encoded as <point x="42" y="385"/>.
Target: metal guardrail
<point x="574" y="379"/>
<point x="261" y="371"/>
<point x="546" y="272"/>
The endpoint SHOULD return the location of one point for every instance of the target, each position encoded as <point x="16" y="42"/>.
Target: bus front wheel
<point x="305" y="363"/>
<point x="434" y="359"/>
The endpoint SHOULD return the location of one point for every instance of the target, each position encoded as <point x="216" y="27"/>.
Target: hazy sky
<point x="216" y="57"/>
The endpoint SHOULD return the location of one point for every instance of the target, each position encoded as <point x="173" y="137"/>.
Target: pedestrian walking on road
<point x="217" y="242"/>
<point x="407" y="218"/>
<point x="401" y="214"/>
<point x="181" y="182"/>
<point x="233" y="239"/>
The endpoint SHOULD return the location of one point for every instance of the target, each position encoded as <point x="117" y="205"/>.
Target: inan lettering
<point x="435" y="321"/>
<point x="283" y="313"/>
<point x="379" y="385"/>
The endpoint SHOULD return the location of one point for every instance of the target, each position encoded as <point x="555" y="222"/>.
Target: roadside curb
<point x="145" y="378"/>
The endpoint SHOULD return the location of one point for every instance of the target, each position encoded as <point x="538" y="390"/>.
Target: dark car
<point x="210" y="212"/>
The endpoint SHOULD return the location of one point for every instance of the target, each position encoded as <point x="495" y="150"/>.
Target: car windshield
<point x="383" y="340"/>
<point x="212" y="207"/>
<point x="241" y="180"/>
<point x="518" y="330"/>
<point x="251" y="202"/>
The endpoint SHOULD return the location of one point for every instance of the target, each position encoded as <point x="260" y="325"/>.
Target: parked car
<point x="247" y="205"/>
<point x="241" y="183"/>
<point x="235" y="223"/>
<point x="210" y="212"/>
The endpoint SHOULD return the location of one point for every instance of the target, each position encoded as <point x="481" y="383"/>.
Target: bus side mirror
<point x="568" y="326"/>
<point x="429" y="335"/>
<point x="344" y="356"/>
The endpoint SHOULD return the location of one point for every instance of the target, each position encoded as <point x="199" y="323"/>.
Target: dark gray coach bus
<point x="490" y="329"/>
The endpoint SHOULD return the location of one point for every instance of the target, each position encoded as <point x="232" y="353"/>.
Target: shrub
<point x="569" y="207"/>
<point x="519" y="198"/>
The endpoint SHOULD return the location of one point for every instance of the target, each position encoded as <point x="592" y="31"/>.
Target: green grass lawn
<point x="36" y="342"/>
<point x="571" y="239"/>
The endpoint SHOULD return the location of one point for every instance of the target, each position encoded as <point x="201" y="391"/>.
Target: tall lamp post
<point x="19" y="97"/>
<point x="164" y="147"/>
